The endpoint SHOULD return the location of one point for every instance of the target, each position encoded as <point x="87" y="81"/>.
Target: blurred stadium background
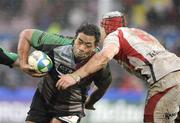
<point x="124" y="101"/>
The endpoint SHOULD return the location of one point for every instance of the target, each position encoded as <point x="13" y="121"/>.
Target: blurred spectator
<point x="11" y="7"/>
<point x="131" y="83"/>
<point x="54" y="28"/>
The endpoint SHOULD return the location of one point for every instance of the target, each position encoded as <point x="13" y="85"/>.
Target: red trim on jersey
<point x="127" y="50"/>
<point x="151" y="105"/>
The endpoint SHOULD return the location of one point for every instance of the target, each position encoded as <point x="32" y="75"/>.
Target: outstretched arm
<point x="8" y="58"/>
<point x="97" y="62"/>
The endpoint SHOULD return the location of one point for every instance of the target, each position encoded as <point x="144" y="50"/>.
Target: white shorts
<point x="70" y="119"/>
<point x="163" y="100"/>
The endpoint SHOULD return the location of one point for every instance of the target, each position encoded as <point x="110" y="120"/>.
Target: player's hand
<point x="89" y="107"/>
<point x="65" y="81"/>
<point x="89" y="104"/>
<point x="31" y="71"/>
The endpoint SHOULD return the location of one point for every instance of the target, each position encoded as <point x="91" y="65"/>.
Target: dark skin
<point x="23" y="51"/>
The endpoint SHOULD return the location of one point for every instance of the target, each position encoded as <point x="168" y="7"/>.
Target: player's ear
<point x="74" y="40"/>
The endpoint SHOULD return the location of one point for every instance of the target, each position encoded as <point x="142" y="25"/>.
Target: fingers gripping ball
<point x="40" y="61"/>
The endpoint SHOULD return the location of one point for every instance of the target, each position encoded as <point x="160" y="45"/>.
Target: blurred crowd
<point x="159" y="17"/>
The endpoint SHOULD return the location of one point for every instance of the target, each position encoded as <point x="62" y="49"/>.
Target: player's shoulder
<point x="63" y="36"/>
<point x="67" y="39"/>
<point x="116" y="32"/>
<point x="129" y="30"/>
<point x="126" y="29"/>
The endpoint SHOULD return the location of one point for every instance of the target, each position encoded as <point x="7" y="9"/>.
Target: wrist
<point x="77" y="78"/>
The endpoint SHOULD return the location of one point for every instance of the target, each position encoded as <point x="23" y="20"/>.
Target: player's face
<point x="83" y="46"/>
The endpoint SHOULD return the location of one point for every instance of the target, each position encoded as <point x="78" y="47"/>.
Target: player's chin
<point x="82" y="57"/>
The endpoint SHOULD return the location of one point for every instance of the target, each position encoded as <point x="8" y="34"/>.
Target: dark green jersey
<point x="59" y="49"/>
<point x="42" y="40"/>
<point x="6" y="57"/>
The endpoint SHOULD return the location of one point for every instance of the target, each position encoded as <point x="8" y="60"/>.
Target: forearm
<point x="24" y="46"/>
<point x="7" y="57"/>
<point x="97" y="62"/>
<point x="23" y="51"/>
<point x="95" y="96"/>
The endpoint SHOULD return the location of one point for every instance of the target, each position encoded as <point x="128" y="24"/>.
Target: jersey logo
<point x="170" y="115"/>
<point x="62" y="69"/>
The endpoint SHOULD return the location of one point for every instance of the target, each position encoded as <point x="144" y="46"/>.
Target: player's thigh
<point x="54" y="120"/>
<point x="163" y="107"/>
<point x="167" y="108"/>
<point x="38" y="112"/>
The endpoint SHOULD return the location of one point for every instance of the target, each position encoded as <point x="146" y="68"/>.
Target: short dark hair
<point x="91" y="30"/>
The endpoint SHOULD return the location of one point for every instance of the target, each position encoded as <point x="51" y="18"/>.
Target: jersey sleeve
<point x="111" y="45"/>
<point x="112" y="38"/>
<point x="41" y="39"/>
<point x="6" y="57"/>
<point x="103" y="77"/>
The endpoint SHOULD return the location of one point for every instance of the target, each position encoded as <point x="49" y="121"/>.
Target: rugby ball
<point x="40" y="61"/>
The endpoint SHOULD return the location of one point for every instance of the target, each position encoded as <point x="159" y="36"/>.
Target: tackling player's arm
<point x="97" y="62"/>
<point x="8" y="58"/>
<point x="102" y="81"/>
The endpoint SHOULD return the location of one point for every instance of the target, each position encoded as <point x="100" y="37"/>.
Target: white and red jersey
<point x="142" y="54"/>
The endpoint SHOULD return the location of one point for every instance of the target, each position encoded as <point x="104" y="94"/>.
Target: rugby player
<point x="50" y="104"/>
<point x="141" y="54"/>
